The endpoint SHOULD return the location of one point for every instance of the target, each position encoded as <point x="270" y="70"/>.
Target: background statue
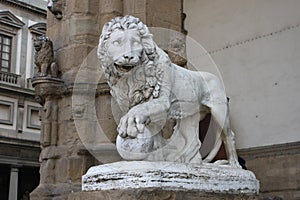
<point x="149" y="89"/>
<point x="44" y="59"/>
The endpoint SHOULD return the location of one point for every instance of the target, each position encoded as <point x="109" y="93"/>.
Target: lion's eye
<point x="135" y="43"/>
<point x="116" y="43"/>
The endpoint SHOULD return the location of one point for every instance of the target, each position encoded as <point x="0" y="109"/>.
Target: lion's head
<point x="126" y="47"/>
<point x="124" y="44"/>
<point x="42" y="42"/>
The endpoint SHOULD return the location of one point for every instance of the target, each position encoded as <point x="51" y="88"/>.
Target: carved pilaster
<point x="48" y="91"/>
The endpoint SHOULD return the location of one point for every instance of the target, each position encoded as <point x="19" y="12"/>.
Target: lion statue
<point x="44" y="59"/>
<point x="149" y="89"/>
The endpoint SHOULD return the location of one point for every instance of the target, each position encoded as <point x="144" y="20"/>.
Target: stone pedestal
<point x="157" y="194"/>
<point x="166" y="180"/>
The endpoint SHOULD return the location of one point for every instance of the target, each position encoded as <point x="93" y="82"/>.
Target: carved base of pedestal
<point x="177" y="177"/>
<point x="156" y="194"/>
<point x="53" y="191"/>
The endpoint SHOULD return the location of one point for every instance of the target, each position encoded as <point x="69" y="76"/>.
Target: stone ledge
<point x="179" y="177"/>
<point x="270" y="151"/>
<point x="156" y="194"/>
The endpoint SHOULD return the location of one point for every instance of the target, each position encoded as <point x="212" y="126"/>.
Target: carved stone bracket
<point x="48" y="91"/>
<point x="55" y="7"/>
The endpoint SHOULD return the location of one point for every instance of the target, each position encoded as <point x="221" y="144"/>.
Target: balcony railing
<point x="10" y="78"/>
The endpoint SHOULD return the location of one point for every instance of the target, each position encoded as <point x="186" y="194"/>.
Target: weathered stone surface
<point x="70" y="135"/>
<point x="76" y="7"/>
<point x="56" y="31"/>
<point x="57" y="191"/>
<point x="48" y="173"/>
<point x="61" y="168"/>
<point x="156" y="194"/>
<point x="75" y="168"/>
<point x="277" y="169"/>
<point x="157" y="15"/>
<point x="171" y="176"/>
<point x="136" y="8"/>
<point x="83" y="25"/>
<point x="72" y="57"/>
<point x="111" y="6"/>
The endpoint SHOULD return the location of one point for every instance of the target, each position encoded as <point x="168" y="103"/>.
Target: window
<point x="5" y="53"/>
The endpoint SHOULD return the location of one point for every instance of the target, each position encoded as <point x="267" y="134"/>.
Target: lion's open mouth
<point x="124" y="68"/>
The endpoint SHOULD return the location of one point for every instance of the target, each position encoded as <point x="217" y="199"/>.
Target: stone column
<point x="63" y="157"/>
<point x="75" y="33"/>
<point x="13" y="183"/>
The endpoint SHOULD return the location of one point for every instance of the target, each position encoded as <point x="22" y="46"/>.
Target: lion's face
<point x="124" y="49"/>
<point x="38" y="42"/>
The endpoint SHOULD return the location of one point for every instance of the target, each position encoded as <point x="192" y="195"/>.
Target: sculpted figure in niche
<point x="44" y="59"/>
<point x="150" y="89"/>
<point x="49" y="129"/>
<point x="55" y="7"/>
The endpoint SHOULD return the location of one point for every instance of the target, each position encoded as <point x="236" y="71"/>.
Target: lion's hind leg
<point x="220" y="114"/>
<point x="54" y="70"/>
<point x="44" y="68"/>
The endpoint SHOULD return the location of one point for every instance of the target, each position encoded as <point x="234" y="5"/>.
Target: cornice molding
<point x="38" y="28"/>
<point x="8" y="18"/>
<point x="24" y="6"/>
<point x="15" y="91"/>
<point x="270" y="151"/>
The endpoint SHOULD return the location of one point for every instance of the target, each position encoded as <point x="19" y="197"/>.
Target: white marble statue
<point x="150" y="89"/>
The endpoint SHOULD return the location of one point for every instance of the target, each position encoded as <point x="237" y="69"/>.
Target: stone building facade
<point x="75" y="32"/>
<point x="20" y="22"/>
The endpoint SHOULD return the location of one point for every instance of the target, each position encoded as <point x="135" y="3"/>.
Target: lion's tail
<point x="212" y="154"/>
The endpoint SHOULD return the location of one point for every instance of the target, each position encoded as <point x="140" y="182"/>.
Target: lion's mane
<point x="153" y="60"/>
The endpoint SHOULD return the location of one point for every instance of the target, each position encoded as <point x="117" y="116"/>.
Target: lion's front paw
<point x="131" y="125"/>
